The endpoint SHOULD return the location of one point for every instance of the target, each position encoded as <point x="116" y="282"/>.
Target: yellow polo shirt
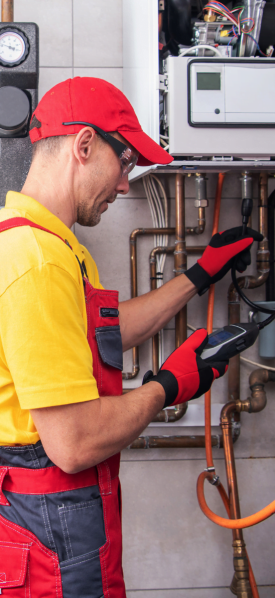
<point x="45" y="358"/>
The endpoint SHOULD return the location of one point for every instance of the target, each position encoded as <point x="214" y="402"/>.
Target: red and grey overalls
<point x="60" y="534"/>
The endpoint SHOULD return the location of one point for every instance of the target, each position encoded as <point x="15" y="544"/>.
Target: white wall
<point x="170" y="549"/>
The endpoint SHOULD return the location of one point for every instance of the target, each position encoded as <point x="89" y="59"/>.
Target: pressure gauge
<point x="14" y="47"/>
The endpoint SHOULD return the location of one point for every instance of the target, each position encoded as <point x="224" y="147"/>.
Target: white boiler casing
<point x="221" y="107"/>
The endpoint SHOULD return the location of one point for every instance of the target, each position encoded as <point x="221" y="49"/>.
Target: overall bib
<point x="60" y="534"/>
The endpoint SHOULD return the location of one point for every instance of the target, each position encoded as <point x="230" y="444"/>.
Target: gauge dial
<point x="14" y="47"/>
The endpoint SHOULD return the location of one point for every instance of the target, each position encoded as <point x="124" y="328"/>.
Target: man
<point x="63" y="419"/>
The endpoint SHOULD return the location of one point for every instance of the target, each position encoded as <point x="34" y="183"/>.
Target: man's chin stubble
<point x="86" y="218"/>
<point x="92" y="216"/>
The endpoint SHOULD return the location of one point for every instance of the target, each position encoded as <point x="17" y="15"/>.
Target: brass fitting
<point x="210" y="16"/>
<point x="240" y="585"/>
<point x="257" y="401"/>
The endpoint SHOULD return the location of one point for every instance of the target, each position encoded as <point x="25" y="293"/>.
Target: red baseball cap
<point x="96" y="101"/>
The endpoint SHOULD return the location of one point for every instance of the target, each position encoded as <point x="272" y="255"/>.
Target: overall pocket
<point x="13" y="568"/>
<point x="82" y="526"/>
<point x="82" y="576"/>
<point x="27" y="567"/>
<point x="83" y="533"/>
<point x="110" y="345"/>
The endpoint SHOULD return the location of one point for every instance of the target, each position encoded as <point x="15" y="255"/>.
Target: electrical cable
<point x="201" y="47"/>
<point x="159" y="214"/>
<point x="241" y="24"/>
<point x="259" y="365"/>
<point x="259" y="49"/>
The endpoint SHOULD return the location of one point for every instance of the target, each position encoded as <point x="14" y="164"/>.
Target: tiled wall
<point x="170" y="549"/>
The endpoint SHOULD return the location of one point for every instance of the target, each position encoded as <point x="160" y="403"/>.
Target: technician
<point x="63" y="418"/>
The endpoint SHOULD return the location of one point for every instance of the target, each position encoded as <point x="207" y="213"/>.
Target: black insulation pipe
<point x="270" y="283"/>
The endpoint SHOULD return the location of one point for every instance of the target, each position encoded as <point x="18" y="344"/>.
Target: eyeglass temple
<point x="117" y="145"/>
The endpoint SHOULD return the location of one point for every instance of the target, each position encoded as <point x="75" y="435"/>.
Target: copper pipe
<point x="249" y="282"/>
<point x="234" y="363"/>
<point x="180" y="255"/>
<point x="240" y="584"/>
<point x="200" y="228"/>
<point x="153" y="278"/>
<point x="263" y="251"/>
<point x="147" y="442"/>
<point x="134" y="283"/>
<point x="160" y="22"/>
<point x="168" y="415"/>
<point x="226" y="425"/>
<point x="7" y="11"/>
<point x="197" y="441"/>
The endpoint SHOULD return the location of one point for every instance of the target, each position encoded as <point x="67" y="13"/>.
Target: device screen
<point x="223" y="335"/>
<point x="208" y="81"/>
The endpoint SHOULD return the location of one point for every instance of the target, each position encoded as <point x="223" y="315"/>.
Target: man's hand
<point x="184" y="375"/>
<point x="219" y="255"/>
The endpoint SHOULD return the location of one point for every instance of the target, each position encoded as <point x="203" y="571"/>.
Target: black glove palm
<point x="219" y="255"/>
<point x="185" y="375"/>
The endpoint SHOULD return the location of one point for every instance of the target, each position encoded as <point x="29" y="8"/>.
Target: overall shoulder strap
<point x="15" y="222"/>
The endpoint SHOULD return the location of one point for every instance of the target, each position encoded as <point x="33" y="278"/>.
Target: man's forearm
<point x="141" y="317"/>
<point x="80" y="435"/>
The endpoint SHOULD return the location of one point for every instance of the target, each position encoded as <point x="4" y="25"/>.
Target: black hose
<point x="247" y="205"/>
<point x="254" y="306"/>
<point x="265" y="323"/>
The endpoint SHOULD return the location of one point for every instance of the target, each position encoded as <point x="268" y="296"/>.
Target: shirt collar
<point x="35" y="211"/>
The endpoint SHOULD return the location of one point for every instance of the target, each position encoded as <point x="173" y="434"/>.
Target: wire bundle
<point x="223" y="11"/>
<point x="239" y="25"/>
<point x="159" y="213"/>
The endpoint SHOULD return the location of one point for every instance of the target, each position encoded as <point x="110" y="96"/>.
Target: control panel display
<point x="211" y="81"/>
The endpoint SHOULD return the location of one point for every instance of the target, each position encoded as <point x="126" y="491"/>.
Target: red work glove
<point x="219" y="255"/>
<point x="184" y="375"/>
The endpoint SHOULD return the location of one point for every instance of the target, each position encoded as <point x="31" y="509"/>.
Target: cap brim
<point x="149" y="151"/>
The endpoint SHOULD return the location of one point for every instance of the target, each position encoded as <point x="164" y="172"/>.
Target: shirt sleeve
<point x="44" y="339"/>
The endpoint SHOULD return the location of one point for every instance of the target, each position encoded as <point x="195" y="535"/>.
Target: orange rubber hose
<point x="270" y="509"/>
<point x="210" y="312"/>
<point x="231" y="523"/>
<point x="208" y="443"/>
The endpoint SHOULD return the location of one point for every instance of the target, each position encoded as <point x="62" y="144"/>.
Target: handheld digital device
<point x="229" y="341"/>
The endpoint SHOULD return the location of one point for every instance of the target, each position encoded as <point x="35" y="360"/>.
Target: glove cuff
<point x="168" y="381"/>
<point x="199" y="278"/>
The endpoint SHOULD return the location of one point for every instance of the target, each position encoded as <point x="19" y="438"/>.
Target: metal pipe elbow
<point x="246" y="282"/>
<point x="200" y="228"/>
<point x="226" y="414"/>
<point x="257" y="380"/>
<point x="171" y="415"/>
<point x="132" y="374"/>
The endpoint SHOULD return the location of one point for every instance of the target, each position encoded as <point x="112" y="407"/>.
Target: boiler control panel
<point x="231" y="92"/>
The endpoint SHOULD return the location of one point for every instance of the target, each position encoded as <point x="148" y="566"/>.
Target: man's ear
<point x="84" y="144"/>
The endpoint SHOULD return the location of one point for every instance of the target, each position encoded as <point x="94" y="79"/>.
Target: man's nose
<point x="123" y="186"/>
